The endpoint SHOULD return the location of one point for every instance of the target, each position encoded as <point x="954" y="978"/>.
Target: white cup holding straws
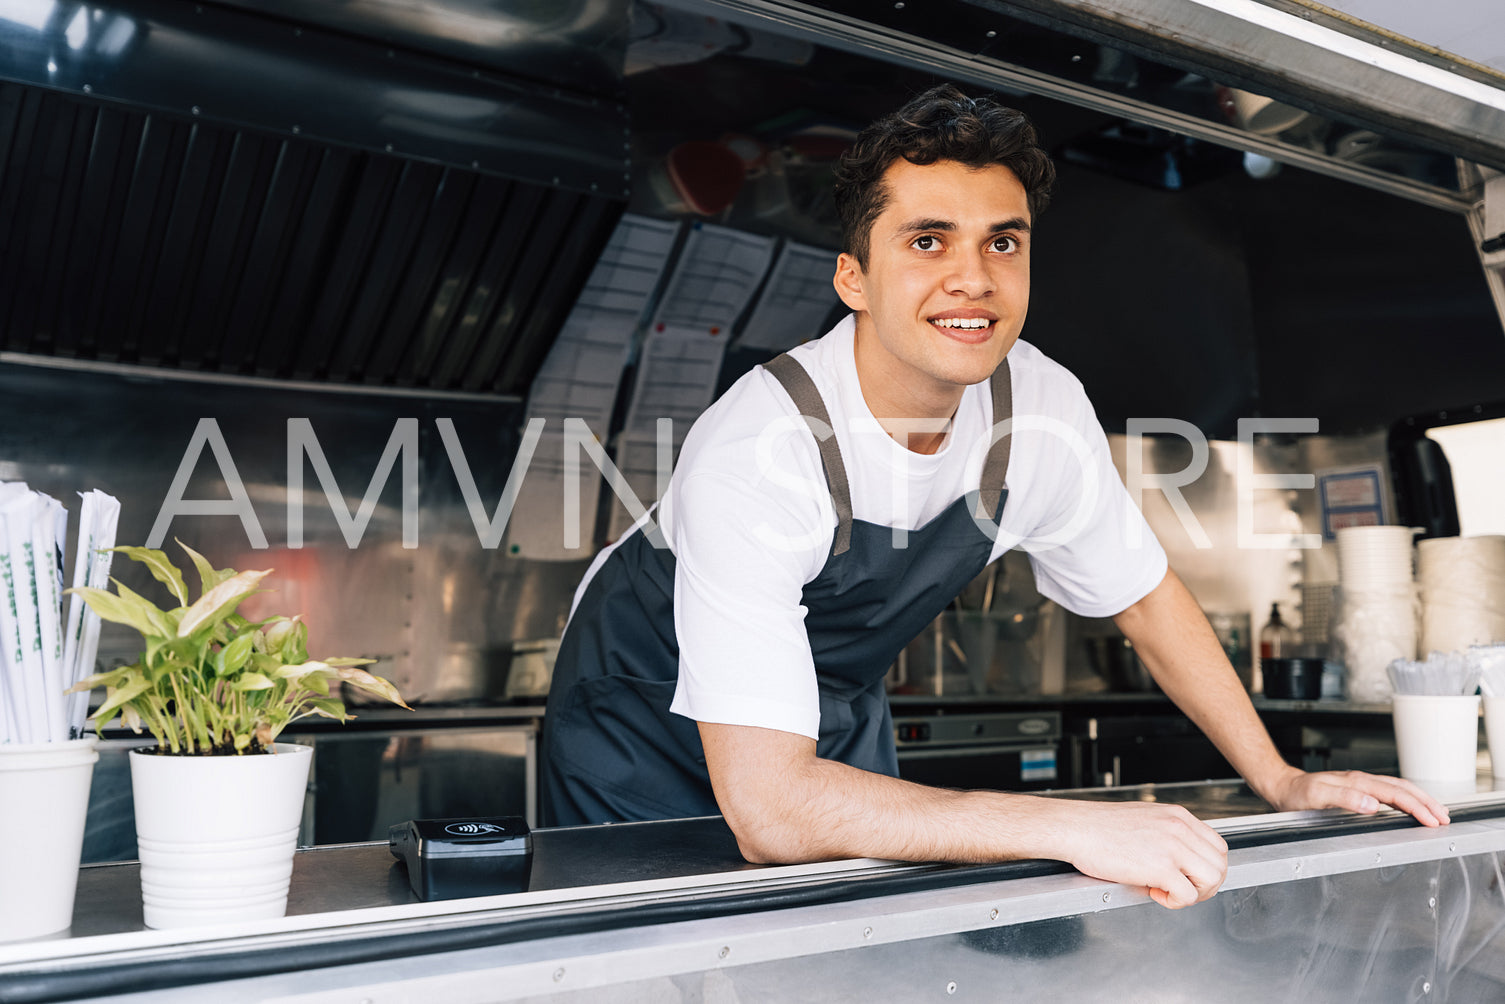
<point x="1437" y="737"/>
<point x="44" y="795"/>
<point x="1489" y="660"/>
<point x="1436" y="712"/>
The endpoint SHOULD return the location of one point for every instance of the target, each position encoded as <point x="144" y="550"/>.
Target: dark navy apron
<point x="614" y="751"/>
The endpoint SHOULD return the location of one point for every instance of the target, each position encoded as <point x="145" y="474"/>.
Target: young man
<point x="834" y="502"/>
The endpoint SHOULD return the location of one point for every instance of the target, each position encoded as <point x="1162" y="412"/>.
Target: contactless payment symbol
<point x="472" y="829"/>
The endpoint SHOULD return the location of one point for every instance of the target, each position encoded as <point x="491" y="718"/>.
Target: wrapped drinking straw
<point x="97" y="521"/>
<point x="42" y="654"/>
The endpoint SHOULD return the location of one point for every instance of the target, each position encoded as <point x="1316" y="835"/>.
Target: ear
<point x="848" y="280"/>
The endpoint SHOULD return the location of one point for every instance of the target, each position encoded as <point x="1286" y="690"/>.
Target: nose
<point x="969" y="276"/>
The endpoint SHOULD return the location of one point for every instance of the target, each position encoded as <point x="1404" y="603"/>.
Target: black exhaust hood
<point x="200" y="188"/>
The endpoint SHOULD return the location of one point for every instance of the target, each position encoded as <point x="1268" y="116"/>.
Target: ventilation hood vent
<point x="431" y="235"/>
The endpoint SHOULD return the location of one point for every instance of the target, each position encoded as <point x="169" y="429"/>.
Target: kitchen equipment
<point x="1118" y="749"/>
<point x="1276" y="639"/>
<point x="1293" y="678"/>
<point x="1316" y="617"/>
<point x="532" y="667"/>
<point x="974" y="652"/>
<point x="455" y="858"/>
<point x="1114" y="659"/>
<point x="1233" y="631"/>
<point x="1012" y="750"/>
<point x="1260" y="114"/>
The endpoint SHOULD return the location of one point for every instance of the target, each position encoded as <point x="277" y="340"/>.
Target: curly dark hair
<point x="941" y="124"/>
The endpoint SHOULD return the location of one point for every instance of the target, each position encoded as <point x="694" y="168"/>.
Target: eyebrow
<point x="926" y="223"/>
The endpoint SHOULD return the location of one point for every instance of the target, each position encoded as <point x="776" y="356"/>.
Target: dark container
<point x="1292" y="679"/>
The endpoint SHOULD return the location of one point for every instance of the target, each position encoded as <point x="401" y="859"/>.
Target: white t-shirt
<point x="748" y="517"/>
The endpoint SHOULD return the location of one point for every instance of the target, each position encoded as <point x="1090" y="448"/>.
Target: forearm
<point x="786" y="805"/>
<point x="824" y="810"/>
<point x="1172" y="636"/>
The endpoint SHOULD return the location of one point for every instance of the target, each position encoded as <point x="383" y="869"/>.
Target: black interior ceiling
<point x="154" y="235"/>
<point x="1299" y="295"/>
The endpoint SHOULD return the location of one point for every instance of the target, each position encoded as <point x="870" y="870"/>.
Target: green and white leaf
<point x="235" y="654"/>
<point x="251" y="681"/>
<point x="117" y="609"/>
<point x="220" y="602"/>
<point x="162" y="569"/>
<point x="209" y="576"/>
<point x="362" y="680"/>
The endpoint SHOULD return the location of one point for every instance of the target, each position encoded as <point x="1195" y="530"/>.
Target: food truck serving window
<point x="1447" y="470"/>
<point x="1475" y="452"/>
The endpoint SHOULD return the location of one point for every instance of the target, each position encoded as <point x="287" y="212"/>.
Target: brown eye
<point x="925" y="243"/>
<point x="1006" y="245"/>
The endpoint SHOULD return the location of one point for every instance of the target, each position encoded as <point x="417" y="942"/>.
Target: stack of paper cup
<point x="1377" y="607"/>
<point x="1462" y="585"/>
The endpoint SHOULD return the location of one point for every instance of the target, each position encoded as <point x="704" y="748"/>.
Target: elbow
<point x="759" y="852"/>
<point x="773" y="831"/>
<point x="763" y="841"/>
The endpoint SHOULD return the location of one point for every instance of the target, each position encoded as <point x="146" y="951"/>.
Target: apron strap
<point x="990" y="487"/>
<point x="802" y="390"/>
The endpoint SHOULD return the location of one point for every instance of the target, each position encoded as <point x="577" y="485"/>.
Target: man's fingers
<point x="1365" y="793"/>
<point x="1177" y="858"/>
<point x="1179" y="892"/>
<point x="1399" y="793"/>
<point x="1406" y="797"/>
<point x="1196" y="868"/>
<point x="1414" y="798"/>
<point x="1206" y="873"/>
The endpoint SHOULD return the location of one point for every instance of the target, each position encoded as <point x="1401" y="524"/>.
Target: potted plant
<point x="218" y="800"/>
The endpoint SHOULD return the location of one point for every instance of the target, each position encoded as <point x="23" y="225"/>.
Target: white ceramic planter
<point x="216" y="834"/>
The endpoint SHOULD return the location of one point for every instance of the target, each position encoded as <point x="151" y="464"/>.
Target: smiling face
<point x="946" y="287"/>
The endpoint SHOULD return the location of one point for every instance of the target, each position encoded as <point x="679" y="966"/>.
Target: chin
<point x="968" y="368"/>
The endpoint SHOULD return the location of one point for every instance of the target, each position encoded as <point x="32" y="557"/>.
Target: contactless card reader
<point x="453" y="858"/>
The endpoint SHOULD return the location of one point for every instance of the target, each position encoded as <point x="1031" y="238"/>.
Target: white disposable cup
<point x="1494" y="734"/>
<point x="44" y="795"/>
<point x="1437" y="737"/>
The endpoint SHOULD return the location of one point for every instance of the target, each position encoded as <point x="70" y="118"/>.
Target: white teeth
<point x="961" y="322"/>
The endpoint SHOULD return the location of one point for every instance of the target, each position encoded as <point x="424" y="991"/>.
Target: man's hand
<point x="1355" y="791"/>
<point x="1173" y="637"/>
<point x="1163" y="849"/>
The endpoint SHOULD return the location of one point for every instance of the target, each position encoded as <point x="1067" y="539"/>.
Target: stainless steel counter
<point x="1315" y="902"/>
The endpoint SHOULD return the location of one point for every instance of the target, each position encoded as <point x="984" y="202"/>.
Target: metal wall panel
<point x="440" y="617"/>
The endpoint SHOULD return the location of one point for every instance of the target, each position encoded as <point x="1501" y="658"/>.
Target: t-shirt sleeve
<point x="1092" y="551"/>
<point x="742" y="558"/>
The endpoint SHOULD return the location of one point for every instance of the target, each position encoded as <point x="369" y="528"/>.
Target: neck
<point x="914" y="409"/>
